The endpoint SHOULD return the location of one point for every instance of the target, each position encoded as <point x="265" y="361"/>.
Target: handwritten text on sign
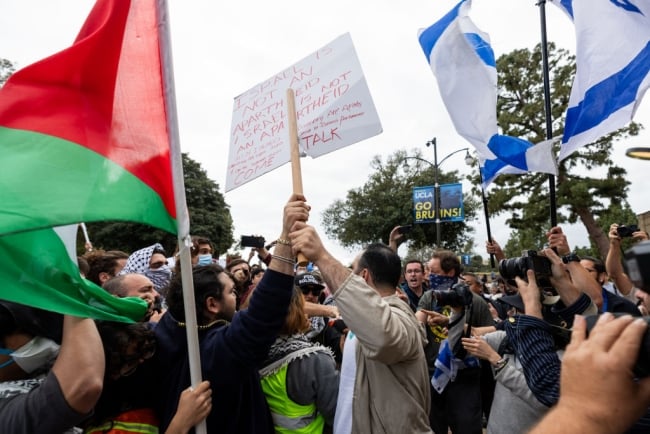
<point x="333" y="109"/>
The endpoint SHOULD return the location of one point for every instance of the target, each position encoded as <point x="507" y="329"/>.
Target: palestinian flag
<point x="39" y="268"/>
<point x="83" y="137"/>
<point x="83" y="133"/>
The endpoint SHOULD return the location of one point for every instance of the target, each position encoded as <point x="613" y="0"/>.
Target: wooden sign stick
<point x="296" y="173"/>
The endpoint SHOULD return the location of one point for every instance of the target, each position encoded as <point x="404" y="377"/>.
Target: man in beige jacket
<point x="384" y="384"/>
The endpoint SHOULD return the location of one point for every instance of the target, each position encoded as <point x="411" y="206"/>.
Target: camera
<point x="530" y="260"/>
<point x="405" y="229"/>
<point x="252" y="241"/>
<point x="624" y="231"/>
<point x="458" y="296"/>
<point x="637" y="265"/>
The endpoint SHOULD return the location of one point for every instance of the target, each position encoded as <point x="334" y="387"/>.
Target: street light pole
<point x="436" y="189"/>
<point x="436" y="184"/>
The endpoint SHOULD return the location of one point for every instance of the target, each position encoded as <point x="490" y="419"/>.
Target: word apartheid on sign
<point x="333" y="109"/>
<point x="451" y="203"/>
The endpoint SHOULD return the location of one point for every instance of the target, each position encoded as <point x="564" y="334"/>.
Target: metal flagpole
<point x="182" y="216"/>
<point x="547" y="107"/>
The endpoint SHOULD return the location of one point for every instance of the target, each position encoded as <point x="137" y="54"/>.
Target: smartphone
<point x="405" y="229"/>
<point x="252" y="241"/>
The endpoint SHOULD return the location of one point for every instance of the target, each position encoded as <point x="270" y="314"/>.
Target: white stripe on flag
<point x="612" y="67"/>
<point x="463" y="63"/>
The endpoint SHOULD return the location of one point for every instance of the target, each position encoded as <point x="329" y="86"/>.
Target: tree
<point x="209" y="217"/>
<point x="588" y="185"/>
<point x="6" y="69"/>
<point x="370" y="212"/>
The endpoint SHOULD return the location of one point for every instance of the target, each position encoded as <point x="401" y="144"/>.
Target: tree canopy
<point x="370" y="212"/>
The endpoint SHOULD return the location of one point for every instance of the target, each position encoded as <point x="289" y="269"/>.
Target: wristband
<point x="285" y="260"/>
<point x="283" y="241"/>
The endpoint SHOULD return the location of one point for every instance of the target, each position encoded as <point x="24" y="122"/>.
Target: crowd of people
<point x="382" y="345"/>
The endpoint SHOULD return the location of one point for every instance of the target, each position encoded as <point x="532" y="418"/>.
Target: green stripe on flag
<point x="43" y="177"/>
<point x="37" y="271"/>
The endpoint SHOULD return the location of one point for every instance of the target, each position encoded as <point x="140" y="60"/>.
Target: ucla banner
<point x="451" y="203"/>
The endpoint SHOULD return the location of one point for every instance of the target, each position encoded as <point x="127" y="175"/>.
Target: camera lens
<point x="511" y="268"/>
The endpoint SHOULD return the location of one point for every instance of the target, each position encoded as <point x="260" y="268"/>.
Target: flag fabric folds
<point x="612" y="67"/>
<point x="83" y="133"/>
<point x="463" y="63"/>
<point x="39" y="269"/>
<point x="84" y="137"/>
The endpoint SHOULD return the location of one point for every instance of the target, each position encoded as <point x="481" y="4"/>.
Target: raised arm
<point x="80" y="366"/>
<point x="613" y="262"/>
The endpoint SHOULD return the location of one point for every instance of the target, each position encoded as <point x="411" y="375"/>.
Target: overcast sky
<point x="222" y="48"/>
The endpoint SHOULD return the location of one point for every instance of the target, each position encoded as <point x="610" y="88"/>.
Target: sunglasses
<point x="315" y="290"/>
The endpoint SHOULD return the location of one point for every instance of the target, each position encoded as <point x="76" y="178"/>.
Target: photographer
<point x="623" y="285"/>
<point x="458" y="405"/>
<point x="524" y="358"/>
<point x="611" y="399"/>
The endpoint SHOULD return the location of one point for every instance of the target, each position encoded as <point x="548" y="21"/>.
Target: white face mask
<point x="35" y="354"/>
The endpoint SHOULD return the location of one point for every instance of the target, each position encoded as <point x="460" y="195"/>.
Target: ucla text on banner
<point x="451" y="203"/>
<point x="333" y="109"/>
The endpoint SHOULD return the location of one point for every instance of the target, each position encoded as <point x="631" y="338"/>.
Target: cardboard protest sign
<point x="333" y="109"/>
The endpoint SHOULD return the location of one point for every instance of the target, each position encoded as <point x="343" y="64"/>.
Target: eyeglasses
<point x="243" y="270"/>
<point x="315" y="290"/>
<point x="157" y="265"/>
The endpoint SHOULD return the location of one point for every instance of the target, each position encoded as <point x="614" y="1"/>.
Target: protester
<point x="152" y="262"/>
<point x="34" y="399"/>
<point x="384" y="379"/>
<point x="457" y="404"/>
<point x="299" y="378"/>
<point x="137" y="285"/>
<point x="232" y="346"/>
<point x="104" y="264"/>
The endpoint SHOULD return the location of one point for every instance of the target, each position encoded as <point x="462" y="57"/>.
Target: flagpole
<point x="182" y="215"/>
<point x="486" y="211"/>
<point x="547" y="106"/>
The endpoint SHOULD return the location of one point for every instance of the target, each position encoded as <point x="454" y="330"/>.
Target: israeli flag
<point x="463" y="63"/>
<point x="612" y="67"/>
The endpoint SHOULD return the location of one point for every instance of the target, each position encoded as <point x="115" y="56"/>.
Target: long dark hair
<point x="206" y="284"/>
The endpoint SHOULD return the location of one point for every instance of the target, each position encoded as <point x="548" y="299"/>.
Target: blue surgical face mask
<point x="205" y="259"/>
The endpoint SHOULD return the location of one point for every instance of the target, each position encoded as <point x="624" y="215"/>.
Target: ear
<point x="103" y="277"/>
<point x="213" y="305"/>
<point x="365" y="275"/>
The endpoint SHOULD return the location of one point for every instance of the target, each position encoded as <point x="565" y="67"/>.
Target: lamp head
<point x="642" y="153"/>
<point x="469" y="160"/>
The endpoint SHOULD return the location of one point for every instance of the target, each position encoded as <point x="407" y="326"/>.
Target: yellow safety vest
<point x="289" y="417"/>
